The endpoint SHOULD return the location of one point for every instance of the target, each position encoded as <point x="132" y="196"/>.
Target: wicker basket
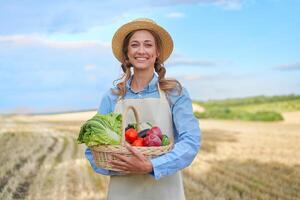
<point x="104" y="153"/>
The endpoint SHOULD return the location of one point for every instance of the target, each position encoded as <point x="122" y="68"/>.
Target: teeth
<point x="141" y="58"/>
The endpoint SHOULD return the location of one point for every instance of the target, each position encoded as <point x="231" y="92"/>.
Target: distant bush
<point x="227" y="113"/>
<point x="261" y="116"/>
<point x="249" y="101"/>
<point x="259" y="108"/>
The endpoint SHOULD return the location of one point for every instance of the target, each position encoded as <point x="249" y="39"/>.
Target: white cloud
<point x="78" y="16"/>
<point x="191" y="62"/>
<point x="177" y="59"/>
<point x="175" y="15"/>
<point x="290" y="66"/>
<point x="89" y="67"/>
<point x="92" y="77"/>
<point x="61" y="44"/>
<point x="91" y="72"/>
<point x="229" y="4"/>
<point x="191" y="77"/>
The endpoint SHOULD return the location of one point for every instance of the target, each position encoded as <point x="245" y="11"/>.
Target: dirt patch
<point x="212" y="138"/>
<point x="291" y="117"/>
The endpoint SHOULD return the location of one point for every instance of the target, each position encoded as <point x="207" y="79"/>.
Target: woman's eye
<point x="148" y="45"/>
<point x="134" y="45"/>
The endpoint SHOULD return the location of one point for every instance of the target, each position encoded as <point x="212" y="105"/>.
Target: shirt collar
<point x="152" y="86"/>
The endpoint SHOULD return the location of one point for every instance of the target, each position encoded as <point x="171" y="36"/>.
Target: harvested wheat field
<point x="238" y="160"/>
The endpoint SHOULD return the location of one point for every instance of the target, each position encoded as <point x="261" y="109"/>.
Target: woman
<point x="142" y="46"/>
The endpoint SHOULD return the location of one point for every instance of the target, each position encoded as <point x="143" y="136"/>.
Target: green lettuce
<point x="101" y="129"/>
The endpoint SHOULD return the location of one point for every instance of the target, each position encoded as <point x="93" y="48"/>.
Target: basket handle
<point x="136" y="116"/>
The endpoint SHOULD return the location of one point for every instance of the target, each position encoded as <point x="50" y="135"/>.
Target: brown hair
<point x="167" y="85"/>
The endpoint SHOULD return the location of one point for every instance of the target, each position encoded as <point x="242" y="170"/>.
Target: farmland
<point x="238" y="160"/>
<point x="259" y="108"/>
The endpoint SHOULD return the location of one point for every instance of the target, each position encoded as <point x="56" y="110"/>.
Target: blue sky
<point x="56" y="55"/>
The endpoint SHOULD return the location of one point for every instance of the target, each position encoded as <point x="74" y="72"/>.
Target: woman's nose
<point x="141" y="49"/>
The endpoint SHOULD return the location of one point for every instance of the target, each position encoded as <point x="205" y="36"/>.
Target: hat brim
<point x="123" y="31"/>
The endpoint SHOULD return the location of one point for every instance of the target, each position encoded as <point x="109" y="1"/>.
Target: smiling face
<point x="142" y="50"/>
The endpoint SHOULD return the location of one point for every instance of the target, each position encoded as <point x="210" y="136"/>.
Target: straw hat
<point x="142" y="23"/>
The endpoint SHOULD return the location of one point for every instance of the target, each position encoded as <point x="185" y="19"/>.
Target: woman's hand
<point x="137" y="164"/>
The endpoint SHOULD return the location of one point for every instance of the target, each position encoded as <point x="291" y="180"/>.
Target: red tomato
<point x="131" y="135"/>
<point x="138" y="142"/>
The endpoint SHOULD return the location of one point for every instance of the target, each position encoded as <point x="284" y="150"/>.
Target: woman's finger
<point x="122" y="158"/>
<point x="118" y="163"/>
<point x="121" y="168"/>
<point x="135" y="152"/>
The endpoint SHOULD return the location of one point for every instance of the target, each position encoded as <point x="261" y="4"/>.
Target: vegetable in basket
<point x="131" y="135"/>
<point x="149" y="137"/>
<point x="101" y="129"/>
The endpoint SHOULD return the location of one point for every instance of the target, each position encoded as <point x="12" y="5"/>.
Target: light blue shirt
<point x="187" y="135"/>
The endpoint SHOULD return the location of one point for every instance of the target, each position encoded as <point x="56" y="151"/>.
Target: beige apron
<point x="137" y="187"/>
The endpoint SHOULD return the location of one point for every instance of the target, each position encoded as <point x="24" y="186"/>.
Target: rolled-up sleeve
<point x="187" y="139"/>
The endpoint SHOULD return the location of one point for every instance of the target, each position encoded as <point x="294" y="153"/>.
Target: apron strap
<point x="163" y="95"/>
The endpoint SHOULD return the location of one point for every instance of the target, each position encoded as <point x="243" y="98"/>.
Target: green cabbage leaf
<point x="101" y="129"/>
